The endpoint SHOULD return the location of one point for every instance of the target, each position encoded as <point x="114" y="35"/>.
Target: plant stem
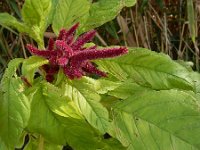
<point x="41" y="143"/>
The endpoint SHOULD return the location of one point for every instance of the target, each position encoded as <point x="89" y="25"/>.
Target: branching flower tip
<point x="71" y="55"/>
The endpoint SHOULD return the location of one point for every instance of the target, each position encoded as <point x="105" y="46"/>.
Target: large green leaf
<point x="164" y="120"/>
<point x="100" y="86"/>
<point x="68" y="12"/>
<point x="14" y="106"/>
<point x="59" y="125"/>
<point x="148" y="69"/>
<point x="103" y="11"/>
<point x="82" y="92"/>
<point x="127" y="89"/>
<point x="63" y="106"/>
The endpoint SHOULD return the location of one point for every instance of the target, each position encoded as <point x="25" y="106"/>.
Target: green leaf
<point x="35" y="16"/>
<point x="127" y="89"/>
<point x="129" y="3"/>
<point x="14" y="106"/>
<point x="164" y="120"/>
<point x="52" y="11"/>
<point x="30" y="65"/>
<point x="102" y="12"/>
<point x="82" y="92"/>
<point x="46" y="119"/>
<point x="68" y="12"/>
<point x="10" y="21"/>
<point x="11" y="70"/>
<point x="100" y="86"/>
<point x="104" y="86"/>
<point x="148" y="69"/>
<point x="187" y="64"/>
<point x="196" y="79"/>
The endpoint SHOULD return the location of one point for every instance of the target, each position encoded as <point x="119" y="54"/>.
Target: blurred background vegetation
<point x="168" y="26"/>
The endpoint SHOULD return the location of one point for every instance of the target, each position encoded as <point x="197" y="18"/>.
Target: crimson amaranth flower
<point x="69" y="53"/>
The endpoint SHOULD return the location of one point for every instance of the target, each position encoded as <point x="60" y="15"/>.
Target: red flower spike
<point x="67" y="51"/>
<point x="42" y="53"/>
<point x="72" y="56"/>
<point x="61" y="34"/>
<point x="72" y="30"/>
<point x="81" y="56"/>
<point x="50" y="44"/>
<point x="64" y="34"/>
<point x="62" y="61"/>
<point x="73" y="72"/>
<point x="83" y="40"/>
<point x="70" y="39"/>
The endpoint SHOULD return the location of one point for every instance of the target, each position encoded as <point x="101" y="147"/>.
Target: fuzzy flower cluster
<point x="69" y="53"/>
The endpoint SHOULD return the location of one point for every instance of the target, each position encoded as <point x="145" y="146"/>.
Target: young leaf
<point x="87" y="100"/>
<point x="68" y="12"/>
<point x="148" y="69"/>
<point x="141" y="123"/>
<point x="10" y="21"/>
<point x="30" y="65"/>
<point x="102" y="12"/>
<point x="14" y="106"/>
<point x="35" y="15"/>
